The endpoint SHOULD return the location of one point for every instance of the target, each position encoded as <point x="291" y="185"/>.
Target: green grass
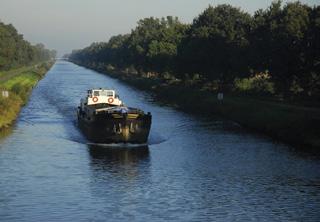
<point x="9" y="109"/>
<point x="27" y="79"/>
<point x="19" y="83"/>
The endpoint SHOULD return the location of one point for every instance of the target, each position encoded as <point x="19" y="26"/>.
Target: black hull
<point x="105" y="128"/>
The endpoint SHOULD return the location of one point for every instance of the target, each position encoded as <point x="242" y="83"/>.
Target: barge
<point x="103" y="118"/>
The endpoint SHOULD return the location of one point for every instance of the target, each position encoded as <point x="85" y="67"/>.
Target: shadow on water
<point x="118" y="165"/>
<point x="109" y="155"/>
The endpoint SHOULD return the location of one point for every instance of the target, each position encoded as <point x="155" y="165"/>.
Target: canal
<point x="194" y="168"/>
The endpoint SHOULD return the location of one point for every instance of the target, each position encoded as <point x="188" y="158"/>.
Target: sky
<point x="65" y="25"/>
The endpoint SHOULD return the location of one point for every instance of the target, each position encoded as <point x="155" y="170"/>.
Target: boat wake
<point x="152" y="141"/>
<point x="119" y="145"/>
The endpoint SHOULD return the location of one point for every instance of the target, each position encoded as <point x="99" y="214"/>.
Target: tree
<point x="152" y="45"/>
<point x="277" y="40"/>
<point x="310" y="81"/>
<point x="16" y="52"/>
<point x="216" y="44"/>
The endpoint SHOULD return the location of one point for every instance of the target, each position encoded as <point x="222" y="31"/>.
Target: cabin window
<point x="103" y="93"/>
<point x="110" y="93"/>
<point x="96" y="93"/>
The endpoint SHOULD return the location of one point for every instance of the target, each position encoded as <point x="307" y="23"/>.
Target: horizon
<point x="64" y="27"/>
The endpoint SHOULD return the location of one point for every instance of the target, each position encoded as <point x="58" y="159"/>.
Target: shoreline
<point x="295" y="125"/>
<point x="19" y="83"/>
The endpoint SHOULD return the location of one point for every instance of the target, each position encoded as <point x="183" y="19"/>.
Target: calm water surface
<point x="194" y="169"/>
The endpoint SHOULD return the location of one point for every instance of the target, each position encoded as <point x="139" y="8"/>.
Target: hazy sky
<point x="72" y="24"/>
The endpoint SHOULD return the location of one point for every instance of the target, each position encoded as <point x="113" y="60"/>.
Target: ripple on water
<point x="192" y="169"/>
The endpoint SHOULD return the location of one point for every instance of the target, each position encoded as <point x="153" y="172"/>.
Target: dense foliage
<point x="276" y="49"/>
<point x="16" y="52"/>
<point x="151" y="47"/>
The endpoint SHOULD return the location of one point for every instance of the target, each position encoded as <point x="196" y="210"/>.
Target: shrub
<point x="260" y="83"/>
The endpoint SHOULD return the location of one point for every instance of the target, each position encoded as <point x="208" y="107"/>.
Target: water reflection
<point x="119" y="161"/>
<point x="193" y="170"/>
<point x="104" y="155"/>
<point x="5" y="132"/>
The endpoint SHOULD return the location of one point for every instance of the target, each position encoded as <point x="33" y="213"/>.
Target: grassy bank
<point x="293" y="124"/>
<point x="19" y="83"/>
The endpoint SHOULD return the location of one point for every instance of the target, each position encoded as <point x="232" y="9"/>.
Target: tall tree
<point x="15" y="51"/>
<point x="216" y="44"/>
<point x="277" y="40"/>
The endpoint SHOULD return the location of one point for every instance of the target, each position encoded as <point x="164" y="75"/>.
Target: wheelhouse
<point x="101" y="97"/>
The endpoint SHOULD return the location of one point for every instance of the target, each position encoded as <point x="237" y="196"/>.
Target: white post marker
<point x="220" y="96"/>
<point x="5" y="93"/>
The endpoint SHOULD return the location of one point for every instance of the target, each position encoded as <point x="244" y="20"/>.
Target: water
<point x="194" y="169"/>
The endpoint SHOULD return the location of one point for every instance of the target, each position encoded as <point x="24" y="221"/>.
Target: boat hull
<point x="119" y="128"/>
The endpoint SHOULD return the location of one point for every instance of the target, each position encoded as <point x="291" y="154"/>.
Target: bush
<point x="260" y="83"/>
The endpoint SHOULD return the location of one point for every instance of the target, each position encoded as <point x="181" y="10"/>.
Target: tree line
<point x="277" y="48"/>
<point x="16" y="52"/>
